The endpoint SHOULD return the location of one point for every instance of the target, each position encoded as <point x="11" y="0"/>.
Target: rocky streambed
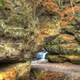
<point x="54" y="71"/>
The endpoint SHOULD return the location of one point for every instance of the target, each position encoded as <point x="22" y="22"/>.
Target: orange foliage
<point x="52" y="76"/>
<point x="66" y="21"/>
<point x="50" y="5"/>
<point x="66" y="16"/>
<point x="53" y="7"/>
<point x="8" y="75"/>
<point x="43" y="33"/>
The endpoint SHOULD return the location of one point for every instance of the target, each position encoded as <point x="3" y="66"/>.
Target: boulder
<point x="17" y="71"/>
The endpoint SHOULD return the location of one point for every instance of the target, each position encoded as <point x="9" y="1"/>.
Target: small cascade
<point x="41" y="55"/>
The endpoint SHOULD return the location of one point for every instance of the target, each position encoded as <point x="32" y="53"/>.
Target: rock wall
<point x="15" y="52"/>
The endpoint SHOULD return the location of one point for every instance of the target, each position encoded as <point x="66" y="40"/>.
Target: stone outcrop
<point x="17" y="71"/>
<point x="14" y="31"/>
<point x="65" y="46"/>
<point x="15" y="51"/>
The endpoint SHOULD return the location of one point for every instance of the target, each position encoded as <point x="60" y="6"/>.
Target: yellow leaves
<point x="2" y="75"/>
<point x="73" y="57"/>
<point x="44" y="32"/>
<point x="9" y="74"/>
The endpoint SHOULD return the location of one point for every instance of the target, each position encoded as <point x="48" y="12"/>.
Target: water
<point x="41" y="55"/>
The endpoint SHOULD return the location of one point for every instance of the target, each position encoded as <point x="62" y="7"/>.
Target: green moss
<point x="1" y="3"/>
<point x="73" y="58"/>
<point x="56" y="58"/>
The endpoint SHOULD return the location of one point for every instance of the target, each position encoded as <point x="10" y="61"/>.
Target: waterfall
<point x="44" y="55"/>
<point x="41" y="55"/>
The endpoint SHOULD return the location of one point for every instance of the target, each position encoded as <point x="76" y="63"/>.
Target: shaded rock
<point x="17" y="71"/>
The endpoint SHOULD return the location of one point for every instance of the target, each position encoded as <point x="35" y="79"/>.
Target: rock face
<point x="65" y="46"/>
<point x="13" y="35"/>
<point x="15" y="51"/>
